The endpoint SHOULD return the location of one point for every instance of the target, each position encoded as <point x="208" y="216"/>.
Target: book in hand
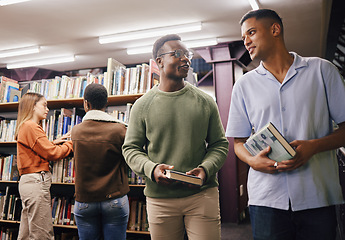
<point x="182" y="177"/>
<point x="270" y="136"/>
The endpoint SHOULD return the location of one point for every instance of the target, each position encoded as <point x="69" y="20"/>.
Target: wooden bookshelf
<point x="66" y="189"/>
<point x="74" y="102"/>
<point x="7" y="148"/>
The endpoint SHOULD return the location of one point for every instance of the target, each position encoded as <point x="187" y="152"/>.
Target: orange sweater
<point x="34" y="150"/>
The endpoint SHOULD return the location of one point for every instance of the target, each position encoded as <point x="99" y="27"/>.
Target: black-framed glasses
<point x="179" y="53"/>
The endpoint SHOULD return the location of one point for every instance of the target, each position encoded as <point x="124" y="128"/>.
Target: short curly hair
<point x="96" y="94"/>
<point x="160" y="42"/>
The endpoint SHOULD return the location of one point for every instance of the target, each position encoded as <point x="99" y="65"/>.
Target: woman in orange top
<point x="34" y="151"/>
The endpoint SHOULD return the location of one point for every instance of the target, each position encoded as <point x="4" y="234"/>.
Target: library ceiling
<point x="72" y="27"/>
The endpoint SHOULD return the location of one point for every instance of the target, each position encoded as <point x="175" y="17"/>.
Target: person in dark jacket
<point x="101" y="182"/>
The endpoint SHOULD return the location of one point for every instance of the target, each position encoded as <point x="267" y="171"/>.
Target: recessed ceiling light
<point x="153" y="32"/>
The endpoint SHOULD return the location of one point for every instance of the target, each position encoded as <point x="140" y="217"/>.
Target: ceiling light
<point x="153" y="32"/>
<point x="8" y="2"/>
<point x="19" y="51"/>
<point x="189" y="44"/>
<point x="40" y="62"/>
<point x="201" y="42"/>
<point x="139" y="50"/>
<point x="254" y="4"/>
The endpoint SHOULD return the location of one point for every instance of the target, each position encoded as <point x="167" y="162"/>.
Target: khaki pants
<point x="198" y="215"/>
<point x="36" y="218"/>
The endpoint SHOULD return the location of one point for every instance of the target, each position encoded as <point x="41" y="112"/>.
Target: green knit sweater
<point x="182" y="129"/>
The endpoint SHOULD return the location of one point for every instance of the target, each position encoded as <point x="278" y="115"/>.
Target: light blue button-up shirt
<point x="302" y="107"/>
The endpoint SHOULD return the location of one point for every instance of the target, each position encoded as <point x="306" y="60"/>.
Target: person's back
<point x="101" y="181"/>
<point x="99" y="165"/>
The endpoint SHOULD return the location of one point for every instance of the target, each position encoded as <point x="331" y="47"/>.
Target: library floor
<point x="234" y="231"/>
<point x="243" y="231"/>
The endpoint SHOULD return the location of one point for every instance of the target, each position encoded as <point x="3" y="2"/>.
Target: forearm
<point x="215" y="157"/>
<point x="241" y="152"/>
<point x="332" y="141"/>
<point x="138" y="160"/>
<point x="50" y="151"/>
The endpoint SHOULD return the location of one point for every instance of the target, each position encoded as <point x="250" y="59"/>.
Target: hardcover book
<point x="270" y="136"/>
<point x="182" y="177"/>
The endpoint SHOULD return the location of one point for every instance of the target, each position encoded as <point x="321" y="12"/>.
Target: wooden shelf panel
<point x="138" y="232"/>
<point x="7" y="148"/>
<point x="74" y="102"/>
<point x="65" y="226"/>
<point x="9" y="221"/>
<point x="72" y="184"/>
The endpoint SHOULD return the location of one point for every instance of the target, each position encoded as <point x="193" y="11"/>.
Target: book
<point x="10" y="87"/>
<point x="182" y="177"/>
<point x="144" y="78"/>
<point x="15" y="95"/>
<point x="270" y="136"/>
<point x="112" y="66"/>
<point x="6" y="203"/>
<point x="132" y="213"/>
<point x="119" y="81"/>
<point x="5" y="88"/>
<point x="153" y="74"/>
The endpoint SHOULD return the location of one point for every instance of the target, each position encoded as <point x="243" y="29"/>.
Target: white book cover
<point x="270" y="136"/>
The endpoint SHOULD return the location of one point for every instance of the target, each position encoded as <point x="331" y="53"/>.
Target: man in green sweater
<point x="177" y="126"/>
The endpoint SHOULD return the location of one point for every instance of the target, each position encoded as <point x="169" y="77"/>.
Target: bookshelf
<point x="65" y="189"/>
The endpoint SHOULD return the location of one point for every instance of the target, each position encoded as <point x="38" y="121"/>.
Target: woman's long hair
<point x="25" y="109"/>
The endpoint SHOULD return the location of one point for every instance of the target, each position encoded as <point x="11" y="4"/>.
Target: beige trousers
<point x="198" y="215"/>
<point x="36" y="218"/>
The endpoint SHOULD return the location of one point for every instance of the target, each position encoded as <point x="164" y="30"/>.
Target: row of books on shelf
<point x="7" y="233"/>
<point x="135" y="179"/>
<point x="61" y="121"/>
<point x="137" y="215"/>
<point x="118" y="80"/>
<point x="8" y="168"/>
<point x="58" y="122"/>
<point x="62" y="210"/>
<point x="10" y="205"/>
<point x="63" y="171"/>
<point x="7" y="130"/>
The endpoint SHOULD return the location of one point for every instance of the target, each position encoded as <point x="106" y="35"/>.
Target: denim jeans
<point x="108" y="219"/>
<point x="275" y="224"/>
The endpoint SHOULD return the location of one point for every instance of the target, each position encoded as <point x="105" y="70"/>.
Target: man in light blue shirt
<point x="302" y="97"/>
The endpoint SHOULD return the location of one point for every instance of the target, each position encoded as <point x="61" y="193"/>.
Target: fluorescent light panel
<point x="201" y="42"/>
<point x="254" y="4"/>
<point x="19" y="51"/>
<point x="40" y="62"/>
<point x="189" y="44"/>
<point x="8" y="2"/>
<point x="153" y="32"/>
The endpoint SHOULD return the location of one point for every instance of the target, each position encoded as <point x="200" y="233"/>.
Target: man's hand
<point x="159" y="174"/>
<point x="198" y="172"/>
<point x="262" y="163"/>
<point x="304" y="151"/>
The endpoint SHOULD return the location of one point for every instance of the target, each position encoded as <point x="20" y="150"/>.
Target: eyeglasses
<point x="179" y="53"/>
